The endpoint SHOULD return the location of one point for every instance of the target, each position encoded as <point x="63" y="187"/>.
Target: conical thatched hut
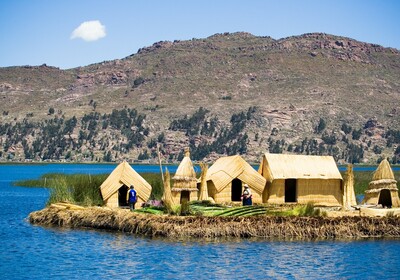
<point x="115" y="188"/>
<point x="301" y="179"/>
<point x="184" y="181"/>
<point x="227" y="176"/>
<point x="383" y="187"/>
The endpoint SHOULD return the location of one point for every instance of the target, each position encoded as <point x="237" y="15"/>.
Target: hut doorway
<point x="290" y="190"/>
<point x="236" y="191"/>
<point x="185" y="197"/>
<point x="385" y="198"/>
<point x="122" y="192"/>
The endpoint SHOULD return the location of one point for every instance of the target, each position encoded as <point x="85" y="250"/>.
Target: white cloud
<point x="89" y="31"/>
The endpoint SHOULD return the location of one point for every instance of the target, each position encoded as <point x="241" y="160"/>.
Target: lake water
<point x="34" y="252"/>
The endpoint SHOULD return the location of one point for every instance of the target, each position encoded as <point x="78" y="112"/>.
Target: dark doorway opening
<point x="236" y="191"/>
<point x="385" y="198"/>
<point x="122" y="192"/>
<point x="185" y="197"/>
<point x="290" y="190"/>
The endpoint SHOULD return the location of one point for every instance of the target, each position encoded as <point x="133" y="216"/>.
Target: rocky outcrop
<point x="330" y="46"/>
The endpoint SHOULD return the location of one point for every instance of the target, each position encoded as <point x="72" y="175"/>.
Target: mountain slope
<point x="295" y="84"/>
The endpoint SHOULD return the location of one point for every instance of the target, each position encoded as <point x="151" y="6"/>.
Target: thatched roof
<point x="284" y="166"/>
<point x="383" y="178"/>
<point x="225" y="169"/>
<point x="384" y="171"/>
<point x="124" y="174"/>
<point x="185" y="171"/>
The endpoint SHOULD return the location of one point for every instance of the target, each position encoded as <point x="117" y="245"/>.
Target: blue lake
<point x="36" y="252"/>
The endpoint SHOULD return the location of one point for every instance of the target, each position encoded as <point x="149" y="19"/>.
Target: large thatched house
<point x="184" y="187"/>
<point x="302" y="179"/>
<point x="227" y="176"/>
<point x="383" y="187"/>
<point x="115" y="188"/>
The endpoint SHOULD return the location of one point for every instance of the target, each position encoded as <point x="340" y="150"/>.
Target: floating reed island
<point x="216" y="226"/>
<point x="288" y="192"/>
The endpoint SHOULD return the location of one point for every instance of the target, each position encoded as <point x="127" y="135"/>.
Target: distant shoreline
<point x="395" y="167"/>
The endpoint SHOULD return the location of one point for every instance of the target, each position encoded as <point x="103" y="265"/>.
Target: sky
<point x="73" y="33"/>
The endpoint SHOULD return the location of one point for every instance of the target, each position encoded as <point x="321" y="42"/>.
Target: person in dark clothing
<point x="247" y="196"/>
<point x="132" y="197"/>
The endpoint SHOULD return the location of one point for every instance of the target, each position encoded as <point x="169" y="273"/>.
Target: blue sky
<point x="33" y="32"/>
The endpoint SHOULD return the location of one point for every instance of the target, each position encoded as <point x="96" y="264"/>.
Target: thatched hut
<point x="184" y="181"/>
<point x="227" y="176"/>
<point x="115" y="188"/>
<point x="301" y="179"/>
<point x="383" y="187"/>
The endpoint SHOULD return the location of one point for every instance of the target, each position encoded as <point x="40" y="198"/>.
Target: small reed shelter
<point x="115" y="188"/>
<point x="383" y="187"/>
<point x="301" y="179"/>
<point x="184" y="187"/>
<point x="226" y="179"/>
<point x="349" y="196"/>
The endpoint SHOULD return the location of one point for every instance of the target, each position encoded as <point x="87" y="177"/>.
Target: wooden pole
<point x="159" y="161"/>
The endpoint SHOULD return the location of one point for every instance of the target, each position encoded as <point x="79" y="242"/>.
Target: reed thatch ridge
<point x="212" y="227"/>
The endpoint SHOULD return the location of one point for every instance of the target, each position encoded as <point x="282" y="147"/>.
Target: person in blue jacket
<point x="132" y="197"/>
<point x="247" y="196"/>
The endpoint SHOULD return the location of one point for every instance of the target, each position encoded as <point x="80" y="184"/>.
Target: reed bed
<point x="218" y="227"/>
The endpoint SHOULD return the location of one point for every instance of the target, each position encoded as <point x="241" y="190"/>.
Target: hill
<point x="226" y="94"/>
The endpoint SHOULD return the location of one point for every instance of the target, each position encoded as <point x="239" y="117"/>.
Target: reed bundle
<point x="211" y="227"/>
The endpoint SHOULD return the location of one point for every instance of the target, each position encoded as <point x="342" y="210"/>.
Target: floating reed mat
<point x="211" y="227"/>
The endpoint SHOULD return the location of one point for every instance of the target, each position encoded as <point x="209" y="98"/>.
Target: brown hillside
<point x="293" y="81"/>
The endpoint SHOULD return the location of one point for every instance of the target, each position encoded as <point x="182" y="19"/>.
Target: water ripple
<point x="42" y="253"/>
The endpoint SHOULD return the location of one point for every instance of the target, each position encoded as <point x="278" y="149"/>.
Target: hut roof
<point x="185" y="169"/>
<point x="225" y="169"/>
<point x="384" y="171"/>
<point x="124" y="174"/>
<point x="284" y="166"/>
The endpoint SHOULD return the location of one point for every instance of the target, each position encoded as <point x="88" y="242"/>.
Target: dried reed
<point x="211" y="227"/>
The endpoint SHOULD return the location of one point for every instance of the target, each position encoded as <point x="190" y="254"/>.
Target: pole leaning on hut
<point x="184" y="182"/>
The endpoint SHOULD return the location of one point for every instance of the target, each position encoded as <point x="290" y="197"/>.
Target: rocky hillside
<point x="225" y="94"/>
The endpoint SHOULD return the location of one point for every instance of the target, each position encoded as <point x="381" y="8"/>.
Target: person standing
<point x="132" y="198"/>
<point x="247" y="196"/>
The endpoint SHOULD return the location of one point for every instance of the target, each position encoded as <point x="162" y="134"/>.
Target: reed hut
<point x="301" y="179"/>
<point x="383" y="187"/>
<point x="184" y="181"/>
<point x="115" y="188"/>
<point x="227" y="176"/>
